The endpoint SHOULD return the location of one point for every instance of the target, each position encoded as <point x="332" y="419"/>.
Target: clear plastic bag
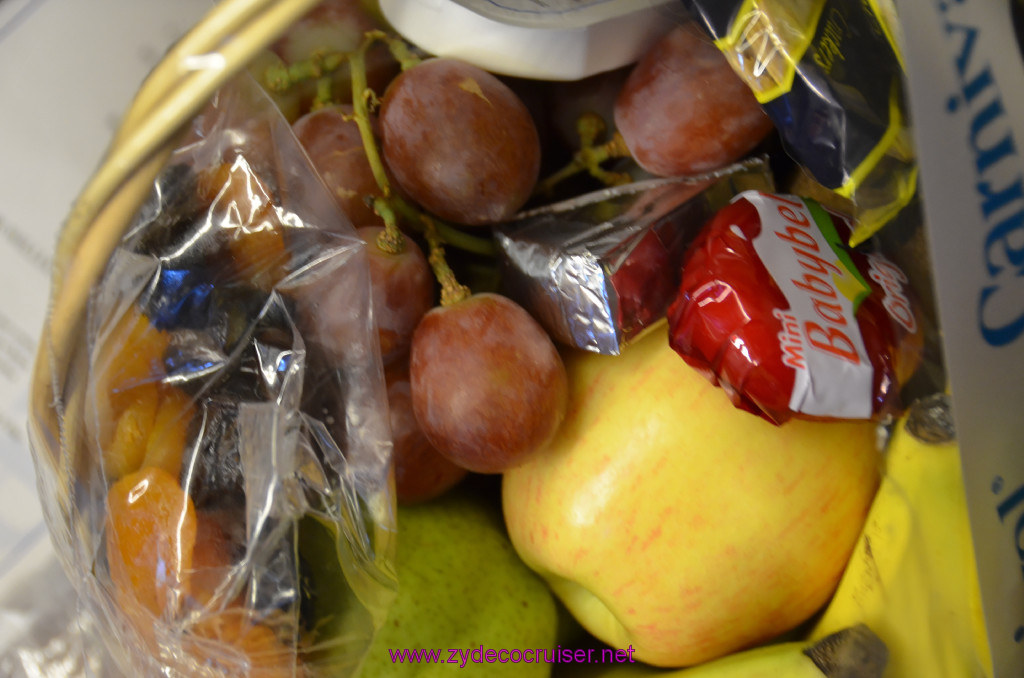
<point x="214" y="460"/>
<point x="830" y="76"/>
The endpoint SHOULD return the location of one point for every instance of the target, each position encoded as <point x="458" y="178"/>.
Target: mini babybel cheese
<point x="790" y="321"/>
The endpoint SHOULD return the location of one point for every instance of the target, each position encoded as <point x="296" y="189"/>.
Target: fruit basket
<point x="340" y="375"/>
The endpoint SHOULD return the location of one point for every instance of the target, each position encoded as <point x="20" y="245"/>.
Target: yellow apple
<point x="672" y="523"/>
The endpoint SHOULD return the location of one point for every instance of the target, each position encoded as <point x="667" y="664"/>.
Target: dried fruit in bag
<point x="791" y="322"/>
<point x="220" y="381"/>
<point x="150" y="534"/>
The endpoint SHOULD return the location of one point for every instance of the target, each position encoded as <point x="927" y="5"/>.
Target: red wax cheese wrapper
<point x="776" y="309"/>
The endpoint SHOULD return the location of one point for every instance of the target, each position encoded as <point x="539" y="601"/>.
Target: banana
<point x="853" y="652"/>
<point x="912" y="577"/>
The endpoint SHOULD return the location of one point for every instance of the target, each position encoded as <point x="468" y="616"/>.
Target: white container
<point x="554" y="40"/>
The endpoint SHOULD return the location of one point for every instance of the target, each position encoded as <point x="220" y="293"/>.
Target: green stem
<point x="391" y="240"/>
<point x="452" y="291"/>
<point x="401" y="52"/>
<point x="324" y="93"/>
<point x="590" y="157"/>
<point x="361" y="93"/>
<point x="280" y="78"/>
<point x="448" y="233"/>
<point x="616" y="147"/>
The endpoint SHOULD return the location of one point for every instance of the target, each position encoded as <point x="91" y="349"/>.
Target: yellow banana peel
<point x="911" y="583"/>
<point x="854" y="652"/>
<point x="912" y="578"/>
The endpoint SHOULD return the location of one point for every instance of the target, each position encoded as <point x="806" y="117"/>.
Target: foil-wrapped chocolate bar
<point x="597" y="269"/>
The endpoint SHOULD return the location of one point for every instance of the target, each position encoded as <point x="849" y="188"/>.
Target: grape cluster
<point x="426" y="162"/>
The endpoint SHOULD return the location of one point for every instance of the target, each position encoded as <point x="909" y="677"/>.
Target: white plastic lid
<point x="556" y="13"/>
<point x="556" y="52"/>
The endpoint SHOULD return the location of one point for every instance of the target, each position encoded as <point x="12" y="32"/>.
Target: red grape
<point x="421" y="473"/>
<point x="402" y="288"/>
<point x="488" y="385"/>
<point x="332" y="142"/>
<point x="333" y="25"/>
<point x="683" y="110"/>
<point x="336" y="26"/>
<point x="459" y="142"/>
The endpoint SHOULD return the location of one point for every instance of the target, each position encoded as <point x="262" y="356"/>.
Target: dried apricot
<point x="124" y="454"/>
<point x="150" y="535"/>
<point x="151" y="431"/>
<point x="244" y="205"/>
<point x="211" y="559"/>
<point x="242" y="648"/>
<point x="168" y="435"/>
<point x="130" y="355"/>
<point x="259" y="253"/>
<point x="235" y="189"/>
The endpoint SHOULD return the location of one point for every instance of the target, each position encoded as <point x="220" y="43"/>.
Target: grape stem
<point x="387" y="240"/>
<point x="399" y="50"/>
<point x="278" y="78"/>
<point x="590" y="156"/>
<point x="324" y="93"/>
<point x="361" y="94"/>
<point x="452" y="291"/>
<point x="448" y="233"/>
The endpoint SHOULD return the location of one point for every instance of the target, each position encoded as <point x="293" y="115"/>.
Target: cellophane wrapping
<point x="829" y="75"/>
<point x="214" y="460"/>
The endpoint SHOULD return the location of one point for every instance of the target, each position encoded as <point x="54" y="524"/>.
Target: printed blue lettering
<point x="997" y="336"/>
<point x="993" y="201"/>
<point x="1003" y="148"/>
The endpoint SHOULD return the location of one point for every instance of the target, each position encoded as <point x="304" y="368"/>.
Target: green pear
<point x="463" y="591"/>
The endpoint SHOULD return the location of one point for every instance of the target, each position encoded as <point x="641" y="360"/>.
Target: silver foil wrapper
<point x="598" y="269"/>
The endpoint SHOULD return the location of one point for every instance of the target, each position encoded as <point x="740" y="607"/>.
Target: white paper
<point x="966" y="87"/>
<point x="68" y="69"/>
